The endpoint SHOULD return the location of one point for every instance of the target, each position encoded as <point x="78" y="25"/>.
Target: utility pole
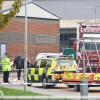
<point x="95" y="14"/>
<point x="84" y="82"/>
<point x="26" y="54"/>
<point x="95" y="11"/>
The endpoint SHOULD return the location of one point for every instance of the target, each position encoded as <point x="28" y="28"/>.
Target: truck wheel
<point x="77" y="87"/>
<point x="53" y="85"/>
<point x="44" y="82"/>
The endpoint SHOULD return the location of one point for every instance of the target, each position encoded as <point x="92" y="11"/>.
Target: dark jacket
<point x="18" y="62"/>
<point x="29" y="65"/>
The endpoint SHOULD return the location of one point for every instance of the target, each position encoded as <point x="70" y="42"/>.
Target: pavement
<point x="60" y="91"/>
<point x="47" y="93"/>
<point x="19" y="84"/>
<point x="36" y="87"/>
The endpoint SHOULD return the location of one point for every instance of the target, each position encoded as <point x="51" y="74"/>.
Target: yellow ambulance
<point x="48" y="70"/>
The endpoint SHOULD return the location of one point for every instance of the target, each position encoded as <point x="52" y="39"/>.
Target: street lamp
<point x="96" y="12"/>
<point x="25" y="48"/>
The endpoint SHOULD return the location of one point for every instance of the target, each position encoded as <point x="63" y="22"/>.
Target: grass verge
<point x="15" y="92"/>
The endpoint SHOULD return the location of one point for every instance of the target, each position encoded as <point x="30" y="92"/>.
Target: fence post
<point x="84" y="90"/>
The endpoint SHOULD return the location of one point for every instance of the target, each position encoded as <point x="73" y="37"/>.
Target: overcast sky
<point x="72" y="9"/>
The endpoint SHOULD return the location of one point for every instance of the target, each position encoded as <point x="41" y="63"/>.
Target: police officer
<point x="6" y="67"/>
<point x="18" y="65"/>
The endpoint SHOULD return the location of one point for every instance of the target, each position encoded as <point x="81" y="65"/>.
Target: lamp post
<point x="96" y="12"/>
<point x="25" y="49"/>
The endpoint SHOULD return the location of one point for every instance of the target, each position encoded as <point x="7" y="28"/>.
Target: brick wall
<point x="13" y="35"/>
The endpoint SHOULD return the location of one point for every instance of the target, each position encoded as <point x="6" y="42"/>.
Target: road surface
<point x="58" y="90"/>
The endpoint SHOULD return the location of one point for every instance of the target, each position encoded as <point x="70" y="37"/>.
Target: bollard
<point x="84" y="90"/>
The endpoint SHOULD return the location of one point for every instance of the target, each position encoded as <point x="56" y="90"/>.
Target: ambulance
<point x="49" y="70"/>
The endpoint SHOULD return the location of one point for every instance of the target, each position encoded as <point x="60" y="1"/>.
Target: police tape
<point x="40" y="84"/>
<point x="11" y="83"/>
<point x="12" y="70"/>
<point x="55" y="97"/>
<point x="50" y="97"/>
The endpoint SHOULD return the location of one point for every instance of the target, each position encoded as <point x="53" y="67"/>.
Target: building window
<point x="66" y="40"/>
<point x="46" y="39"/>
<point x="39" y="39"/>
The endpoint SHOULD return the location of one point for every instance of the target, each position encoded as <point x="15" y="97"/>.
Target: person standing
<point x="6" y="67"/>
<point x="18" y="65"/>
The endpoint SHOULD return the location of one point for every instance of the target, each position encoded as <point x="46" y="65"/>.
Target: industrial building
<point x="68" y="31"/>
<point x="43" y="33"/>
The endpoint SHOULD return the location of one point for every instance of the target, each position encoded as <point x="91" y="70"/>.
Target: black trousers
<point x="6" y="76"/>
<point x="19" y="73"/>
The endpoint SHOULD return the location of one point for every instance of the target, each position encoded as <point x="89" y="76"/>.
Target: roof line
<point x="1" y="11"/>
<point x="46" y="10"/>
<point x="38" y="18"/>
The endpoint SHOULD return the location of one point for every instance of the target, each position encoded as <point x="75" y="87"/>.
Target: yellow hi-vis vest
<point x="6" y="64"/>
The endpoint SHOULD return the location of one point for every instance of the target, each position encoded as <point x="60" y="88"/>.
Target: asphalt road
<point x="58" y="90"/>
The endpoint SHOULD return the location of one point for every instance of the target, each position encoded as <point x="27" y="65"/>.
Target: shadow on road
<point x="94" y="91"/>
<point x="51" y="87"/>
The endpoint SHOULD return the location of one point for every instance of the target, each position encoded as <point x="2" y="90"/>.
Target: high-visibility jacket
<point x="6" y="64"/>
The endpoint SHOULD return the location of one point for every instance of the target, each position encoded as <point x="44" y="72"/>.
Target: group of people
<point x="18" y="63"/>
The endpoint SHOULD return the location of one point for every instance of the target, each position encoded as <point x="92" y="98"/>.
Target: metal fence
<point x="50" y="97"/>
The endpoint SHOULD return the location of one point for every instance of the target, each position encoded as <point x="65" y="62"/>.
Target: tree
<point x="6" y="18"/>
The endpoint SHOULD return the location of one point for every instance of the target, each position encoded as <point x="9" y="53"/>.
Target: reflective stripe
<point x="29" y="77"/>
<point x="32" y="71"/>
<point x="97" y="77"/>
<point x="49" y="70"/>
<point x="78" y="77"/>
<point x="36" y="77"/>
<point x="69" y="76"/>
<point x="53" y="77"/>
<point x="53" y="64"/>
<point x="41" y="71"/>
